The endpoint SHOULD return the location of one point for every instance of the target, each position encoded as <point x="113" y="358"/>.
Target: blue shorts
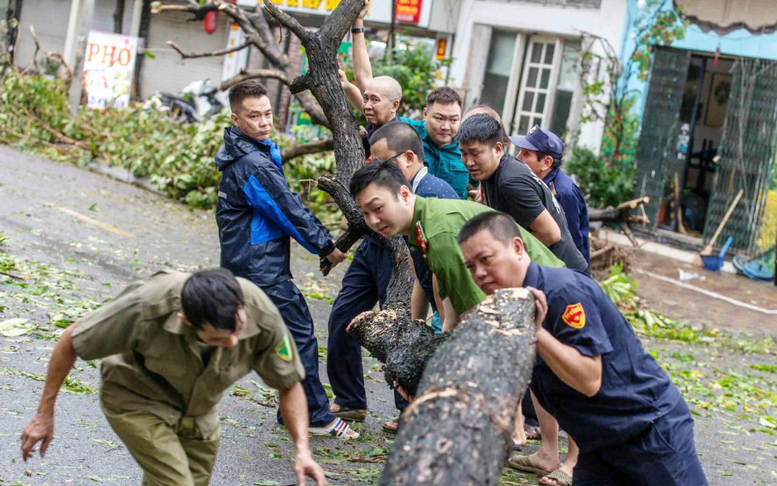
<point x="663" y="455"/>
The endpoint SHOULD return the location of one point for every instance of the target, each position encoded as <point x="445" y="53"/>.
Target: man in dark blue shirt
<point x="592" y="373"/>
<point x="367" y="278"/>
<point x="541" y="151"/>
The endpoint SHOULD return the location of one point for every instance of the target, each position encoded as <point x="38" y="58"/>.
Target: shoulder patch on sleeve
<point x="283" y="349"/>
<point x="574" y="316"/>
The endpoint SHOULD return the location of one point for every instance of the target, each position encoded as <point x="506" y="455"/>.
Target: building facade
<point x="521" y="57"/>
<point x="708" y="115"/>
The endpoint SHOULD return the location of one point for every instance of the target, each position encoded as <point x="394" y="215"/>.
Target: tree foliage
<point x="603" y="186"/>
<point x="609" y="98"/>
<point x="178" y="158"/>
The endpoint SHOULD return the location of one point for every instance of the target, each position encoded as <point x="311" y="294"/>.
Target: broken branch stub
<point x="459" y="428"/>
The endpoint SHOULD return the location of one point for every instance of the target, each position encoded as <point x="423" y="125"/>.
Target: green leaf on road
<point x="15" y="327"/>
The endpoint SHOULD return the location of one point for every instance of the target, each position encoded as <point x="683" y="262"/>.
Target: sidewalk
<point x="723" y="299"/>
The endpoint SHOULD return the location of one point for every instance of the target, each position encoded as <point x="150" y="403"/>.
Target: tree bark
<point x="323" y="81"/>
<point x="459" y="428"/>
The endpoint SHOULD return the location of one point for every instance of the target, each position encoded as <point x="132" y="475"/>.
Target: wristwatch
<point x="359" y="30"/>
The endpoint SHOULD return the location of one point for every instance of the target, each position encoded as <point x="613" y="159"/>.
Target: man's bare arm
<point x="352" y="93"/>
<point x="294" y="410"/>
<point x="362" y="70"/>
<point x="41" y="427"/>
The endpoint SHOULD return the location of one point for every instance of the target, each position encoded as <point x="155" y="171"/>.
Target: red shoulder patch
<point x="574" y="316"/>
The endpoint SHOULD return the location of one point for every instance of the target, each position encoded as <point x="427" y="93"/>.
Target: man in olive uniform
<point x="432" y="225"/>
<point x="171" y="346"/>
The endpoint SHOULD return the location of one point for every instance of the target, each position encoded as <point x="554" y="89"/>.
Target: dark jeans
<point x="364" y="285"/>
<point x="663" y="455"/>
<point x="294" y="310"/>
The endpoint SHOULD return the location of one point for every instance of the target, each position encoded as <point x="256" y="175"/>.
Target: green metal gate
<point x="747" y="153"/>
<point x="656" y="153"/>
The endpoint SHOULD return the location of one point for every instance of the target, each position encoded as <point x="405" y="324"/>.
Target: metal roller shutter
<point x="168" y="72"/>
<point x="50" y="18"/>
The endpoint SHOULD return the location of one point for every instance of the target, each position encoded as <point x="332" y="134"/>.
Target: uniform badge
<point x="283" y="349"/>
<point x="533" y="129"/>
<point x="574" y="316"/>
<point x="420" y="237"/>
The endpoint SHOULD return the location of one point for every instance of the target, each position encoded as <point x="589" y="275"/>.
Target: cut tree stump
<point x="403" y="345"/>
<point x="458" y="430"/>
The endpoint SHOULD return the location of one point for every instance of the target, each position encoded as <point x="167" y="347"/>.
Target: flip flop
<point x="559" y="478"/>
<point x="391" y="427"/>
<point x="350" y="414"/>
<point x="523" y="463"/>
<point x="338" y="429"/>
<point x="532" y="433"/>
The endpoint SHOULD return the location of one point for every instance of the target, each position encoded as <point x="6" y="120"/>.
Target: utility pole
<point x="78" y="27"/>
<point x="392" y="37"/>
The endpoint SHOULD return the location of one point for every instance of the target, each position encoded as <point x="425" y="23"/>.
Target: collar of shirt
<point x="417" y="178"/>
<point x="175" y="325"/>
<point x="418" y="213"/>
<point x="533" y="276"/>
<point x="551" y="176"/>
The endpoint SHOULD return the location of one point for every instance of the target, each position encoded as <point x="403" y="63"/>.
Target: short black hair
<point x="444" y="96"/>
<point x="556" y="162"/>
<point x="385" y="174"/>
<point x="246" y="89"/>
<point x="481" y="128"/>
<point x="400" y="137"/>
<point x="502" y="227"/>
<point x="213" y="297"/>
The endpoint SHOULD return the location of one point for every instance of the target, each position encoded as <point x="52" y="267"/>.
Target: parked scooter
<point x="197" y="101"/>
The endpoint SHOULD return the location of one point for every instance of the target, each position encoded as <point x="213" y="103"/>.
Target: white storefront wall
<point x="523" y="53"/>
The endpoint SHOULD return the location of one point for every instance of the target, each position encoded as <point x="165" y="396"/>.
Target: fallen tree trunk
<point x="459" y="428"/>
<point x="620" y="213"/>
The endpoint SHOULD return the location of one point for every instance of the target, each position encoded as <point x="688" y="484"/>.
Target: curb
<point x="123" y="175"/>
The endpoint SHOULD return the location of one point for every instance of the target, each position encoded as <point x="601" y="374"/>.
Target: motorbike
<point x="197" y="101"/>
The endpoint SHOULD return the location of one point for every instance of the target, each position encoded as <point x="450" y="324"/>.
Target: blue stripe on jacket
<point x="266" y="206"/>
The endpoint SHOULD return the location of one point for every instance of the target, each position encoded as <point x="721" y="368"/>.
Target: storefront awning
<point x="724" y="16"/>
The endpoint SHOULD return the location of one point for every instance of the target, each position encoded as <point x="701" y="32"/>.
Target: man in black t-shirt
<point x="511" y="186"/>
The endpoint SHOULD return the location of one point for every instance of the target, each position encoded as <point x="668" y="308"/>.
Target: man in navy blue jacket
<point x="256" y="215"/>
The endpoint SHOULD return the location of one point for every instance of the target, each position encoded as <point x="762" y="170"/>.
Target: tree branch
<point x="313" y="108"/>
<point x="247" y="74"/>
<point x="300" y="84"/>
<point x="194" y="55"/>
<point x="289" y="22"/>
<point x="314" y="147"/>
<point x="337" y="24"/>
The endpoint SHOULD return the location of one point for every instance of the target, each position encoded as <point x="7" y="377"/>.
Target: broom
<point x="707" y="251"/>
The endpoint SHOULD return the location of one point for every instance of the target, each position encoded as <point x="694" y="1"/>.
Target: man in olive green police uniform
<point x="432" y="225"/>
<point x="171" y="346"/>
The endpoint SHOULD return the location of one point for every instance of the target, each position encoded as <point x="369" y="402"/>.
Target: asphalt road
<point x="79" y="237"/>
<point x="129" y="234"/>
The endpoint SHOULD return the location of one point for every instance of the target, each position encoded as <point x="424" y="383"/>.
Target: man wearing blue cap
<point x="542" y="150"/>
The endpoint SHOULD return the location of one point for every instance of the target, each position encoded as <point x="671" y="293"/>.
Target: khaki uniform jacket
<point x="152" y="358"/>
